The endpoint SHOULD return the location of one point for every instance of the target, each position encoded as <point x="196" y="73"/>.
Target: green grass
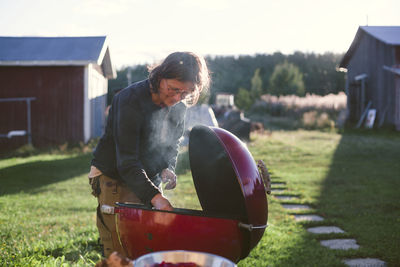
<point x="47" y="213"/>
<point x="351" y="179"/>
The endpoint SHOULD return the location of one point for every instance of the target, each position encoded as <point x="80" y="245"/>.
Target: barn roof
<point x="56" y="51"/>
<point x="389" y="35"/>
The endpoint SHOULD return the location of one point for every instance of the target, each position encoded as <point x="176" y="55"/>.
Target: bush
<point x="24" y="151"/>
<point x="309" y="119"/>
<point x="66" y="148"/>
<point x="313" y="120"/>
<point x="243" y="99"/>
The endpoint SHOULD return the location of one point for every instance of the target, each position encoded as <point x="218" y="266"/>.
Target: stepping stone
<point x="280" y="190"/>
<point x="325" y="230"/>
<point x="308" y="217"/>
<point x="343" y="244"/>
<point x="368" y="262"/>
<point x="278" y="184"/>
<point x="281" y="197"/>
<point x="295" y="207"/>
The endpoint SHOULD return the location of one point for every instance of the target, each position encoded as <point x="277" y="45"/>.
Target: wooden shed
<point x="373" y="75"/>
<point x="53" y="89"/>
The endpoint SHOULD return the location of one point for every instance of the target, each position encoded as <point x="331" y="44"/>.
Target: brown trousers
<point x="109" y="191"/>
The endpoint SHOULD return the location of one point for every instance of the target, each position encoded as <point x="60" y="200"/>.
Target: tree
<point x="256" y="85"/>
<point x="286" y="80"/>
<point x="137" y="73"/>
<point x="243" y="99"/>
<point x="229" y="73"/>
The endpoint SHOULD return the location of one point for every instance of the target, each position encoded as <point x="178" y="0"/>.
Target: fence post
<point x="28" y="104"/>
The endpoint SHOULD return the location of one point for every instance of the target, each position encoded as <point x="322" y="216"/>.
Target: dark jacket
<point x="140" y="140"/>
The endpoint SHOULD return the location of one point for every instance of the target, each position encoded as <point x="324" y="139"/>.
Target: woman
<point x="139" y="148"/>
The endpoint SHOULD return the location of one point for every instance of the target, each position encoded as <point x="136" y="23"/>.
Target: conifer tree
<point x="286" y="79"/>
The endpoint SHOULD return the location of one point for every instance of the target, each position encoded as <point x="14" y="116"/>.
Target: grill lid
<point x="226" y="176"/>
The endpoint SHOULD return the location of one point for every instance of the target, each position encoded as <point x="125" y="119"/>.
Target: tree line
<point x="277" y="74"/>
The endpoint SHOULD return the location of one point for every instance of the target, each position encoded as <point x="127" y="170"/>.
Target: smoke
<point x="161" y="122"/>
<point x="165" y="140"/>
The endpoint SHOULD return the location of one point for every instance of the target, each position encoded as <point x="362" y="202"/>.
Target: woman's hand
<point x="169" y="177"/>
<point x="115" y="260"/>
<point x="161" y="203"/>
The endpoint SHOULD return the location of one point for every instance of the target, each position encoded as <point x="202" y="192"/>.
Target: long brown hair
<point x="184" y="67"/>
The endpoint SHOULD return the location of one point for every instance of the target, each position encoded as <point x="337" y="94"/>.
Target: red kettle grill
<point x="232" y="196"/>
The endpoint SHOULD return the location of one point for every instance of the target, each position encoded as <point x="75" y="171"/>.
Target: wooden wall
<point x="57" y="112"/>
<point x="369" y="57"/>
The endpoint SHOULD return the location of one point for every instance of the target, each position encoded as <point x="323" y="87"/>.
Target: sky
<point x="145" y="31"/>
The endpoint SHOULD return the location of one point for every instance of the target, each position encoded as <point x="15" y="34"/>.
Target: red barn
<point x="66" y="80"/>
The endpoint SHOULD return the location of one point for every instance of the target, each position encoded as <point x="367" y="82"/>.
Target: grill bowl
<point x="182" y="256"/>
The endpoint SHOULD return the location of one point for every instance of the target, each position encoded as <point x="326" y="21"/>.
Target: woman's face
<point x="172" y="91"/>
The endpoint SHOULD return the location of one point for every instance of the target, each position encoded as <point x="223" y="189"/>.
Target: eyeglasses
<point x="176" y="91"/>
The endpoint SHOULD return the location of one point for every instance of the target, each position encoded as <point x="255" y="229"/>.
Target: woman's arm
<point x="127" y="123"/>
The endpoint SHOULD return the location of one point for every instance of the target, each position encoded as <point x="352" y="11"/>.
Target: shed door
<point x="354" y="96"/>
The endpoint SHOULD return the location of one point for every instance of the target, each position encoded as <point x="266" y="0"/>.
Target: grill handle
<point x="264" y="173"/>
<point x="251" y="227"/>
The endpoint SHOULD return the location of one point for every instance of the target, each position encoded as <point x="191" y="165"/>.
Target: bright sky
<point x="144" y="31"/>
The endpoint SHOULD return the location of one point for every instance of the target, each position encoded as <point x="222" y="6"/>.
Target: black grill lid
<point x="216" y="182"/>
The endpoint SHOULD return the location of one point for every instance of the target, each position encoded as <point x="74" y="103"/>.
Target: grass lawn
<point x="351" y="179"/>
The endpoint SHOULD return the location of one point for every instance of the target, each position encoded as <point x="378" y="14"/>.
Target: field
<point x="308" y="112"/>
<point x="351" y="179"/>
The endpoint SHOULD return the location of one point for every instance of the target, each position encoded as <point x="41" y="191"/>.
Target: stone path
<point x="337" y="244"/>
<point x="278" y="184"/>
<point x="308" y="217"/>
<point x="278" y="190"/>
<point x="325" y="230"/>
<point x="286" y="197"/>
<point x="368" y="262"/>
<point x="343" y="244"/>
<point x="296" y="207"/>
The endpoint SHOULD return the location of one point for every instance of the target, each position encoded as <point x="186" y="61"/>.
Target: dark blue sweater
<point x="140" y="140"/>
